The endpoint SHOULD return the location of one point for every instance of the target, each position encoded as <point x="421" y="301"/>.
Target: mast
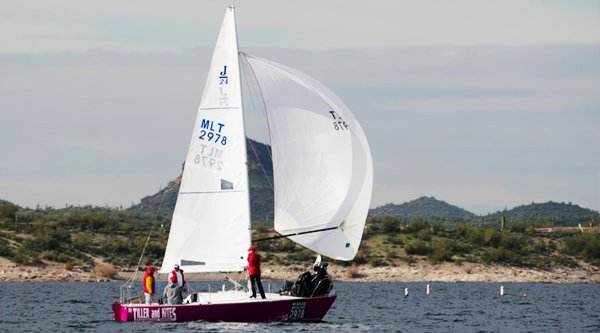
<point x="239" y="72"/>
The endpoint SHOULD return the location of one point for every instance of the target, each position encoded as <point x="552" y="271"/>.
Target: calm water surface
<point x="360" y="307"/>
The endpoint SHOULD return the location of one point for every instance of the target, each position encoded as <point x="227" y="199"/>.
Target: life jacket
<point x="253" y="262"/>
<point x="177" y="277"/>
<point x="149" y="280"/>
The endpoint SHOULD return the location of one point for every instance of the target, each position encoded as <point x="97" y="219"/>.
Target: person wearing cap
<point x="176" y="277"/>
<point x="254" y="272"/>
<point x="149" y="287"/>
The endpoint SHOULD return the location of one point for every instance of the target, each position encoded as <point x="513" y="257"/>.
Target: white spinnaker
<point x="322" y="166"/>
<point x="210" y="225"/>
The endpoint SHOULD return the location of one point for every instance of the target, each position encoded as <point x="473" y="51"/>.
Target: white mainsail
<point x="322" y="166"/>
<point x="211" y="222"/>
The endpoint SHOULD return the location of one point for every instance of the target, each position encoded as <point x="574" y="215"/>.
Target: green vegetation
<point x="76" y="236"/>
<point x="394" y="239"/>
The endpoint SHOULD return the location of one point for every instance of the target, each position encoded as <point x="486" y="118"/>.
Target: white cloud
<point x="72" y="25"/>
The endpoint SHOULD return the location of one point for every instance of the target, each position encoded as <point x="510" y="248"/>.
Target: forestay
<point x="322" y="165"/>
<point x="211" y="221"/>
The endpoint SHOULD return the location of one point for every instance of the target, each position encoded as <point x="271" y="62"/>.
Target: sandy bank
<point x="417" y="272"/>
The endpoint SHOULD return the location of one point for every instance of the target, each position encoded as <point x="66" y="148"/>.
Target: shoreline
<point x="415" y="272"/>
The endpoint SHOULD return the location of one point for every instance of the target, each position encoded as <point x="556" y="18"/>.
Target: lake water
<point x="360" y="307"/>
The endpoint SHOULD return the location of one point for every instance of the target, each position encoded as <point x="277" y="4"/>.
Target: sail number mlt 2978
<point x="211" y="155"/>
<point x="212" y="132"/>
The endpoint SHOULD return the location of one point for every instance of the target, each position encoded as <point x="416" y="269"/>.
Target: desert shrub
<point x="417" y="224"/>
<point x="353" y="272"/>
<point x="540" y="246"/>
<point x="282" y="245"/>
<point x="513" y="243"/>
<point x="105" y="270"/>
<point x="394" y="239"/>
<point x="117" y="247"/>
<point x="441" y="250"/>
<point x="300" y="256"/>
<point x="424" y="234"/>
<point x="390" y="225"/>
<point x="491" y="237"/>
<point x="564" y="261"/>
<point x="360" y="260"/>
<point x="378" y="262"/>
<point x="69" y="265"/>
<point x="502" y="256"/>
<point x="391" y="253"/>
<point x="82" y="242"/>
<point x="48" y="240"/>
<point x="459" y="247"/>
<point x="591" y="250"/>
<point x="27" y="258"/>
<point x="5" y="250"/>
<point x="575" y="245"/>
<point x="55" y="256"/>
<point x="518" y="227"/>
<point x="417" y="247"/>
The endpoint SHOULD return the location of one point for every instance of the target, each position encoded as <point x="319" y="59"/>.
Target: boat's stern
<point x="119" y="311"/>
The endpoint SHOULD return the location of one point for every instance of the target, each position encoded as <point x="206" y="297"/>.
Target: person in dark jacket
<point x="149" y="287"/>
<point x="254" y="272"/>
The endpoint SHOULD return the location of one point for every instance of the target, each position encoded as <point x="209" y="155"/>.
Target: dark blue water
<point x="360" y="307"/>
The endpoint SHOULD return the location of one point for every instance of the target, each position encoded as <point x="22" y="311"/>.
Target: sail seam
<point x="209" y="192"/>
<point x="221" y="108"/>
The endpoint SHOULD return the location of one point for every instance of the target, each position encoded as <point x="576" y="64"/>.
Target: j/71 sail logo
<point x="223" y="76"/>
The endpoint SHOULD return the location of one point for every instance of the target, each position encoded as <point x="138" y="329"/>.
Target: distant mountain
<point x="260" y="176"/>
<point x="557" y="212"/>
<point x="425" y="207"/>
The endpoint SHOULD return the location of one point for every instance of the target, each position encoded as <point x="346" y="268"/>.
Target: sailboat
<point x="322" y="180"/>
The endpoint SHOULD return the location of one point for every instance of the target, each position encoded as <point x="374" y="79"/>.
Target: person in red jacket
<point x="149" y="284"/>
<point x="254" y="272"/>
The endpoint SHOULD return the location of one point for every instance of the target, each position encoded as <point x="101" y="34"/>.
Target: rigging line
<point x="264" y="108"/>
<point x="295" y="234"/>
<point x="129" y="282"/>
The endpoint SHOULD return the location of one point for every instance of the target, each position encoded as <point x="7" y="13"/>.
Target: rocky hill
<point x="425" y="207"/>
<point x="559" y="213"/>
<point x="261" y="192"/>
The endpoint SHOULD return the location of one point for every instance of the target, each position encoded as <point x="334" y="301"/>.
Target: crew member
<point x="176" y="277"/>
<point x="254" y="272"/>
<point x="149" y="284"/>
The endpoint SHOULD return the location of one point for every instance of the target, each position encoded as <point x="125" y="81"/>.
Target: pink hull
<point x="301" y="309"/>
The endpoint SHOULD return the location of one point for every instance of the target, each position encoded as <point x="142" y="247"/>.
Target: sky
<point x="482" y="104"/>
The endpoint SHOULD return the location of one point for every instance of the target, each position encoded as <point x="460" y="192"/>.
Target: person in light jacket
<point x="176" y="277"/>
